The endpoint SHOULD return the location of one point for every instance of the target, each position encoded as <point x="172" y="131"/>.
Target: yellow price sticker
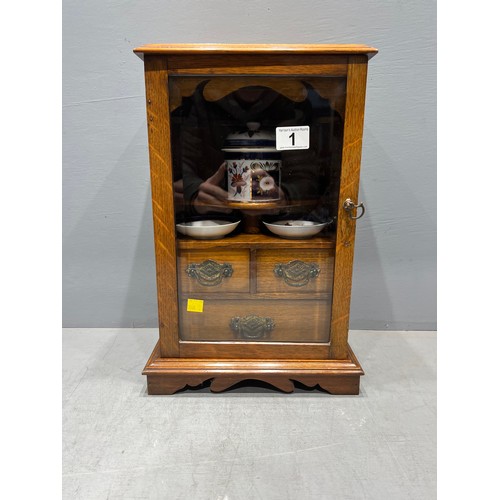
<point x="195" y="305"/>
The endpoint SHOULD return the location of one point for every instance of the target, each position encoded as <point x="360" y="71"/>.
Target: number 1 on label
<point x="288" y="138"/>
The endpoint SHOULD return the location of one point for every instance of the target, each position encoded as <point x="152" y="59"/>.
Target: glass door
<point x="256" y="174"/>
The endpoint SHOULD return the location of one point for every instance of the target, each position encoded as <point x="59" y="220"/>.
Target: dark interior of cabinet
<point x="206" y="110"/>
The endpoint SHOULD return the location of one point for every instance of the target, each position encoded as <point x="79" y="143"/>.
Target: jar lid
<point x="251" y="139"/>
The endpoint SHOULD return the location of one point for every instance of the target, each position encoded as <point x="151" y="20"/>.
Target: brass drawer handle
<point x="251" y="327"/>
<point x="349" y="206"/>
<point x="297" y="273"/>
<point x="209" y="272"/>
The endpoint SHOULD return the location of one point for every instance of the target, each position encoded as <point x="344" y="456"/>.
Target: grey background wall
<point x="108" y="256"/>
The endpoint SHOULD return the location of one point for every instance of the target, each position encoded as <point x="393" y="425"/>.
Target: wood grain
<point x="217" y="88"/>
<point x="239" y="281"/>
<point x="223" y="48"/>
<point x="268" y="281"/>
<point x="349" y="185"/>
<point x="166" y="376"/>
<point x="254" y="64"/>
<point x="255" y="241"/>
<point x="309" y="341"/>
<point x="295" y="320"/>
<point x="254" y="350"/>
<point x="156" y="79"/>
<point x="253" y="295"/>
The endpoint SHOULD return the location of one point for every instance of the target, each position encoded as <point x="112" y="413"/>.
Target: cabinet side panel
<point x="162" y="197"/>
<point x="349" y="186"/>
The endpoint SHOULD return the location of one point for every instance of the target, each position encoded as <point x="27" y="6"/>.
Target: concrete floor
<point x="252" y="442"/>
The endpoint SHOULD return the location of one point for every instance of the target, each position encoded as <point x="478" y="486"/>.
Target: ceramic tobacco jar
<point x="253" y="165"/>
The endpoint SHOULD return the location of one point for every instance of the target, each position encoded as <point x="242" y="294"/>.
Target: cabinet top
<point x="223" y="48"/>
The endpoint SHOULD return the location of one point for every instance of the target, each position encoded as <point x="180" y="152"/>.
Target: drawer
<point x="294" y="270"/>
<point x="213" y="271"/>
<point x="257" y="320"/>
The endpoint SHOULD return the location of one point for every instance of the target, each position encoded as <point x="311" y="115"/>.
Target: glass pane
<point x="255" y="207"/>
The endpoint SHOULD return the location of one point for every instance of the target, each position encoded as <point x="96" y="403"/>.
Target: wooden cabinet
<point x="262" y="143"/>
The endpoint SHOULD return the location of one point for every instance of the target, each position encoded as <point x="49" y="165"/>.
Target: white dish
<point x="296" y="229"/>
<point x="207" y="229"/>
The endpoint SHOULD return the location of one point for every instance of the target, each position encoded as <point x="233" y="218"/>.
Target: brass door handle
<point x="209" y="272"/>
<point x="251" y="327"/>
<point x="297" y="273"/>
<point x="349" y="206"/>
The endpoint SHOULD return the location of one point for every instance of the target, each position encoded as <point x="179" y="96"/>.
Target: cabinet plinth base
<point x="169" y="375"/>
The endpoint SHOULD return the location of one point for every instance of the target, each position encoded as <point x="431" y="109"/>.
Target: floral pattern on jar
<point x="253" y="165"/>
<point x="250" y="180"/>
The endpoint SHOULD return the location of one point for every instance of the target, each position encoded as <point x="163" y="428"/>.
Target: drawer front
<point x="216" y="271"/>
<point x="257" y="321"/>
<point x="297" y="271"/>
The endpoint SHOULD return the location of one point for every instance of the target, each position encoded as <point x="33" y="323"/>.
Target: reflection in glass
<point x="259" y="279"/>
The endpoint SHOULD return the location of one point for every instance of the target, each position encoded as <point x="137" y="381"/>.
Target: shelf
<point x="260" y="240"/>
<point x="265" y="205"/>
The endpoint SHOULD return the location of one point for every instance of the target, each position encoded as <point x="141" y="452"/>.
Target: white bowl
<point x="206" y="229"/>
<point x="296" y="229"/>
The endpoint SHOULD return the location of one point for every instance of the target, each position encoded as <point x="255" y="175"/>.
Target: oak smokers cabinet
<point x="257" y="139"/>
